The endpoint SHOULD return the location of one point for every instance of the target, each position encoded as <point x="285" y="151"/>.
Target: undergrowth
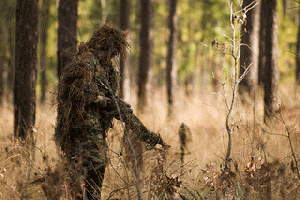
<point x="262" y="162"/>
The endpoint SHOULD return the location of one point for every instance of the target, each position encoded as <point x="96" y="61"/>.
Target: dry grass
<point x="163" y="174"/>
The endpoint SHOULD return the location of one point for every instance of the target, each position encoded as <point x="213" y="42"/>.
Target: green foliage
<point x="198" y="22"/>
<point x="287" y="38"/>
<point x="52" y="31"/>
<point x="92" y="13"/>
<point x="7" y="30"/>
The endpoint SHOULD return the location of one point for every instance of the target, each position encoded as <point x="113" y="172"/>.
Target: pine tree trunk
<point x="269" y="7"/>
<point x="171" y="68"/>
<point x="67" y="29"/>
<point x="25" y="71"/>
<point x="249" y="51"/>
<point x="1" y="79"/>
<point x="124" y="60"/>
<point x="298" y="55"/>
<point x="146" y="55"/>
<point x="11" y="61"/>
<point x="3" y="58"/>
<point x="285" y="7"/>
<point x="262" y="43"/>
<point x="43" y="55"/>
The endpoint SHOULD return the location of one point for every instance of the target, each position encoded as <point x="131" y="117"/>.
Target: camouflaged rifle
<point x="123" y="112"/>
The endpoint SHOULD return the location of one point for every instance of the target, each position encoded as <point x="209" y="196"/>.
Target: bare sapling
<point x="289" y="130"/>
<point x="232" y="48"/>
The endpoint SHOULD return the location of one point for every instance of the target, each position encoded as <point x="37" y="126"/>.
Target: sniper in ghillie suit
<point x="87" y="104"/>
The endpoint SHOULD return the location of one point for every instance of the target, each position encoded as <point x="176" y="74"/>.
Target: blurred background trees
<point x="125" y="7"/>
<point x="249" y="48"/>
<point x="44" y="25"/>
<point x="63" y="23"/>
<point x="171" y="62"/>
<point x="146" y="53"/>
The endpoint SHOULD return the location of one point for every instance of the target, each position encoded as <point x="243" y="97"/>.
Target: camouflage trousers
<point x="88" y="163"/>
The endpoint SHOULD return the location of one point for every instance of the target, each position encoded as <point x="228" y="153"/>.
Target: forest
<point x="149" y="99"/>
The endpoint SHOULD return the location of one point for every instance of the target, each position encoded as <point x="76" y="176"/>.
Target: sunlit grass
<point x="203" y="114"/>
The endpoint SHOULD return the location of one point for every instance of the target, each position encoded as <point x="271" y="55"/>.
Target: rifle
<point x="122" y="111"/>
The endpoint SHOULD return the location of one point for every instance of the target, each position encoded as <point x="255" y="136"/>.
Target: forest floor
<point x="262" y="164"/>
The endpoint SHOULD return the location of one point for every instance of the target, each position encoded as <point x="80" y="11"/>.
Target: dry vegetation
<point x="261" y="157"/>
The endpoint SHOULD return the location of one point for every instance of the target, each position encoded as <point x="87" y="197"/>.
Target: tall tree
<point x="67" y="32"/>
<point x="146" y="54"/>
<point x="249" y="49"/>
<point x="262" y="42"/>
<point x="1" y="79"/>
<point x="43" y="38"/>
<point x="124" y="60"/>
<point x="3" y="57"/>
<point x="285" y="7"/>
<point x="171" y="68"/>
<point x="25" y="63"/>
<point x="298" y="54"/>
<point x="269" y="58"/>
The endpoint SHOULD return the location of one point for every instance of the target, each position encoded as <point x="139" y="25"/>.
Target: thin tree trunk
<point x="285" y="7"/>
<point x="249" y="49"/>
<point x="3" y="59"/>
<point x="104" y="13"/>
<point x="25" y="72"/>
<point x="43" y="55"/>
<point x="67" y="31"/>
<point x="269" y="7"/>
<point x="146" y="55"/>
<point x="11" y="61"/>
<point x="1" y="79"/>
<point x="298" y="54"/>
<point x="171" y="68"/>
<point x="262" y="43"/>
<point x="124" y="60"/>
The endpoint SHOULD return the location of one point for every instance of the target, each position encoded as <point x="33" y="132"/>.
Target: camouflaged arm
<point x="121" y="110"/>
<point x="125" y="113"/>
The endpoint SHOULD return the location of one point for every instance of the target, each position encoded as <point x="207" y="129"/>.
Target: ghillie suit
<point x="87" y="104"/>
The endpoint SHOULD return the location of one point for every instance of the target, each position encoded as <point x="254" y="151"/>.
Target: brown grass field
<point x="261" y="164"/>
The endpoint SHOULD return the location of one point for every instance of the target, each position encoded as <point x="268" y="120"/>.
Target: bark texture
<point x="146" y="55"/>
<point x="262" y="43"/>
<point x="249" y="51"/>
<point x="25" y="71"/>
<point x="269" y="58"/>
<point x="67" y="32"/>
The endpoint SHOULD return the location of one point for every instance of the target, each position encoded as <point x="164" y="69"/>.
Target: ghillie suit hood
<point x="108" y="42"/>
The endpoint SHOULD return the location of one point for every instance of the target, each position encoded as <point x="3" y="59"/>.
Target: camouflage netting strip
<point x="136" y="126"/>
<point x="109" y="40"/>
<point x="122" y="111"/>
